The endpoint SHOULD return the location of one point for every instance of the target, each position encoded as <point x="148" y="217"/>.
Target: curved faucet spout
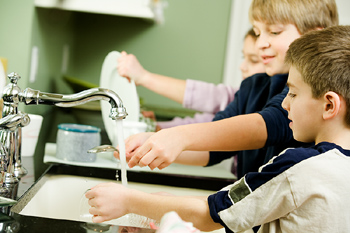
<point x="13" y="120"/>
<point x="30" y="96"/>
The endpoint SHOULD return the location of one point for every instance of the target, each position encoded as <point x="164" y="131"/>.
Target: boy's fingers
<point x="98" y="219"/>
<point x="89" y="194"/>
<point x="153" y="164"/>
<point x="116" y="154"/>
<point x="163" y="165"/>
<point x="135" y="160"/>
<point x="130" y="145"/>
<point x="127" y="155"/>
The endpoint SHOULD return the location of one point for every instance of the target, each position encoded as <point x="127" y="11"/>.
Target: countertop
<point x="106" y="160"/>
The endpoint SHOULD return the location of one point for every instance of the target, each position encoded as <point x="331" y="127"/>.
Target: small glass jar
<point x="74" y="140"/>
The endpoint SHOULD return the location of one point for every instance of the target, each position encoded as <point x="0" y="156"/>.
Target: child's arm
<point x="133" y="142"/>
<point x="172" y="88"/>
<point x="193" y="94"/>
<point x="194" y="158"/>
<point x="243" y="132"/>
<point x="109" y="201"/>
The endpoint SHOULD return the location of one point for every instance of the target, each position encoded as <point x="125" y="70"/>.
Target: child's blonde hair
<point x="306" y="15"/>
<point x="323" y="59"/>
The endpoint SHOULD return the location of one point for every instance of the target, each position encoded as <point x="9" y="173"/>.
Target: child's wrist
<point x="130" y="199"/>
<point x="145" y="78"/>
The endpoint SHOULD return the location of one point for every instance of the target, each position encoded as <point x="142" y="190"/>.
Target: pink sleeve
<point x="207" y="97"/>
<point x="198" y="118"/>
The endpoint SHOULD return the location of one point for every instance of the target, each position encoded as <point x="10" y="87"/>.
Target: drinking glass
<point x="84" y="207"/>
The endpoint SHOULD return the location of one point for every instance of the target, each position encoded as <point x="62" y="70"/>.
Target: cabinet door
<point x="132" y="8"/>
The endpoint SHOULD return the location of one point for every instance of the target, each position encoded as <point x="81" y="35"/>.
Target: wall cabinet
<point x="131" y="8"/>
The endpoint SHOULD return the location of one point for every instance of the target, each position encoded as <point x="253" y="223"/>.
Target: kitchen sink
<point x="59" y="192"/>
<point x="59" y="197"/>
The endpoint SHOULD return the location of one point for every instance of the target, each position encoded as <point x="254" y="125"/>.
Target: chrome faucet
<point x="10" y="124"/>
<point x="11" y="169"/>
<point x="13" y="120"/>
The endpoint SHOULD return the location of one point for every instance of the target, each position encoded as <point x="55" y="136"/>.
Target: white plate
<point x="126" y="90"/>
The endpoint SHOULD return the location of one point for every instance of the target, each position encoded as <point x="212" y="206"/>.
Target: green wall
<point x="190" y="44"/>
<point x="15" y="40"/>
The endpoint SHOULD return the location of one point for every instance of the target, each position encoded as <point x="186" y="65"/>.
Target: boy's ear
<point x="315" y="29"/>
<point x="331" y="105"/>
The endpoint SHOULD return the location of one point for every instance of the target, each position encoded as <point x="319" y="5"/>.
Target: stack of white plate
<point x="126" y="90"/>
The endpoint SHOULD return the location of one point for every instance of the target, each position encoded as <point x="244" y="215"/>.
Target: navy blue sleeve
<point x="219" y="156"/>
<point x="252" y="95"/>
<point x="276" y="120"/>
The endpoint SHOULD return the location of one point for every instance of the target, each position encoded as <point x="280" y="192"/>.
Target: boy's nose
<point x="285" y="103"/>
<point x="243" y="66"/>
<point x="262" y="42"/>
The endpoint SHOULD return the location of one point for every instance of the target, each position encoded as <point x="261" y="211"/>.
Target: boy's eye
<point x="275" y="33"/>
<point x="291" y="95"/>
<point x="254" y="60"/>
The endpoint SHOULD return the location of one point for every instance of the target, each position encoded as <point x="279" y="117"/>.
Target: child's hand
<point x="132" y="143"/>
<point x="108" y="201"/>
<point x="158" y="151"/>
<point x="130" y="68"/>
<point x="149" y="114"/>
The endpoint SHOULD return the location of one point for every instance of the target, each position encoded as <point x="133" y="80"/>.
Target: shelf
<point x="129" y="8"/>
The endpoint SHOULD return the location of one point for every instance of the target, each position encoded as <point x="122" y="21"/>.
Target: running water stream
<point x="122" y="155"/>
<point x="84" y="207"/>
<point x="128" y="219"/>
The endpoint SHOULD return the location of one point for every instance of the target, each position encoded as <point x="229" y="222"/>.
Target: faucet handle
<point x="14" y="77"/>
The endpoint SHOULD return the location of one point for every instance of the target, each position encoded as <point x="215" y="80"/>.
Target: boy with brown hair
<point x="302" y="189"/>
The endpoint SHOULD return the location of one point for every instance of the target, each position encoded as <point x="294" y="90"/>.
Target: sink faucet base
<point x="20" y="171"/>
